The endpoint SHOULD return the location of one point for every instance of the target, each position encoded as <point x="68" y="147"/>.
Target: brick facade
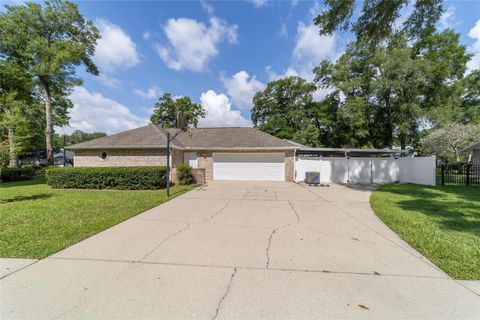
<point x="289" y="165"/>
<point x="118" y="158"/>
<point x="199" y="175"/>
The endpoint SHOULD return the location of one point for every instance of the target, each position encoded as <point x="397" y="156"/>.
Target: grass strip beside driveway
<point x="443" y="223"/>
<point x="37" y="221"/>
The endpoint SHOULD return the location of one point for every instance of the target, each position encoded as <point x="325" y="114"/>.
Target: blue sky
<point x="219" y="53"/>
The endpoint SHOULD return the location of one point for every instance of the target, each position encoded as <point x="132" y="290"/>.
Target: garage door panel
<point x="249" y="166"/>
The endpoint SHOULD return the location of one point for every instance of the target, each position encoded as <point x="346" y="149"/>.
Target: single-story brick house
<point x="223" y="153"/>
<point x="474" y="151"/>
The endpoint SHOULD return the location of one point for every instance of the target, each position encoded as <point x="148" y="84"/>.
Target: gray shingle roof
<point x="151" y="137"/>
<point x="144" y="137"/>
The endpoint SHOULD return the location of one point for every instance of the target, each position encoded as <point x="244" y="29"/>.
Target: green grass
<point x="443" y="223"/>
<point x="37" y="221"/>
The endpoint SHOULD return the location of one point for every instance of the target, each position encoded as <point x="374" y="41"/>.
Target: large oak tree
<point x="51" y="41"/>
<point x="286" y="109"/>
<point x="166" y="108"/>
<point x="380" y="19"/>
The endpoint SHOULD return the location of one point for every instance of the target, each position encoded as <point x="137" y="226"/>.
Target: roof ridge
<point x="175" y="142"/>
<point x="216" y="128"/>
<point x="108" y="137"/>
<point x="471" y="146"/>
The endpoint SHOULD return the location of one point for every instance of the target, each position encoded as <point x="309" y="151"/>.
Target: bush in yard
<point x="15" y="174"/>
<point x="120" y="178"/>
<point x="184" y="174"/>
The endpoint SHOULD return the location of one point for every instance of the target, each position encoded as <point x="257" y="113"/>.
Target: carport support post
<point x="168" y="164"/>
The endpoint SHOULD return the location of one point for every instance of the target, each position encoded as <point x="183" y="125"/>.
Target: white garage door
<point x="249" y="166"/>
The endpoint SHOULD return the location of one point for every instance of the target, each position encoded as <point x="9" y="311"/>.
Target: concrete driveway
<point x="242" y="250"/>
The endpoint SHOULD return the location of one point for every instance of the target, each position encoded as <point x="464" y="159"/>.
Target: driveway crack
<point x="218" y="212"/>
<point x="165" y="240"/>
<point x="295" y="212"/>
<point x="324" y="233"/>
<point x="270" y="238"/>
<point x="217" y="311"/>
<point x="275" y="193"/>
<point x="269" y="245"/>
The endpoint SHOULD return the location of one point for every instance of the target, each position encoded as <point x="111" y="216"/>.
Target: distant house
<point x="474" y="152"/>
<point x="58" y="157"/>
<point x="40" y="158"/>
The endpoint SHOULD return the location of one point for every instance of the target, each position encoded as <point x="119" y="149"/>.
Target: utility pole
<point x="168" y="164"/>
<point x="182" y="124"/>
<point x="64" y="144"/>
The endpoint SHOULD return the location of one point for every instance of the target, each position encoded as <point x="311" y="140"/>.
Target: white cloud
<point x="150" y="93"/>
<point x="146" y="35"/>
<point x="474" y="33"/>
<point x="108" y="80"/>
<point x="258" y="3"/>
<point x="241" y="88"/>
<point x="219" y="112"/>
<point x="315" y="10"/>
<point x="207" y="7"/>
<point x="446" y="18"/>
<point x="283" y="32"/>
<point x="273" y="75"/>
<point x="94" y="112"/>
<point x="192" y="44"/>
<point x="310" y="49"/>
<point x="115" y="50"/>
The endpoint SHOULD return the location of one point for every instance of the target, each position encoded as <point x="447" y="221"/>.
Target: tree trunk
<point x="11" y="146"/>
<point x="388" y="122"/>
<point x="11" y="137"/>
<point x="402" y="141"/>
<point x="48" y="119"/>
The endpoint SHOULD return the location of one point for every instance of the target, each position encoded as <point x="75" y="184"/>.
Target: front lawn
<point x="37" y="221"/>
<point x="443" y="223"/>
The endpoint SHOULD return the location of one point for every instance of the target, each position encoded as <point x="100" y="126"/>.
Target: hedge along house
<point x="217" y="153"/>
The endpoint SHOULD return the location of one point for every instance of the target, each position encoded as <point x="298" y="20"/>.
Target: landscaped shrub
<point x="184" y="174"/>
<point x="15" y="174"/>
<point x="120" y="178"/>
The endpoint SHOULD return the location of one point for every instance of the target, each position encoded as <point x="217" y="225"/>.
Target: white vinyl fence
<point x="420" y="170"/>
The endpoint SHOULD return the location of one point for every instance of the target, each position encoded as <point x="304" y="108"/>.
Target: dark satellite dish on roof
<point x="182" y="123"/>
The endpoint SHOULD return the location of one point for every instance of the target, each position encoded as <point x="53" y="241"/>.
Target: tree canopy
<point x="447" y="142"/>
<point x="20" y="117"/>
<point x="395" y="80"/>
<point x="49" y="41"/>
<point x="470" y="93"/>
<point x="379" y="19"/>
<point x="385" y="95"/>
<point x="166" y="108"/>
<point x="286" y="109"/>
<point x="75" y="137"/>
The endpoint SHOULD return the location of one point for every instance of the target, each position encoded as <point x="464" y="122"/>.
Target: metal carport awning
<point x="349" y="152"/>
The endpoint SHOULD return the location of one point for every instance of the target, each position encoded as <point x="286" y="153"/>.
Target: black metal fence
<point x="459" y="173"/>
